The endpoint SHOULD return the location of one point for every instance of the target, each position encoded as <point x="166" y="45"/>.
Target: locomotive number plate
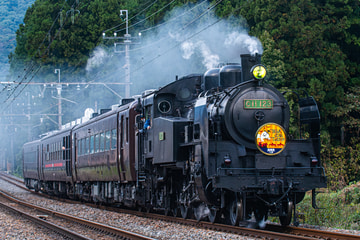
<point x="258" y="104"/>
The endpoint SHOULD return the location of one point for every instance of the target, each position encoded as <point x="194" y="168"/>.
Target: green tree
<point x="317" y="40"/>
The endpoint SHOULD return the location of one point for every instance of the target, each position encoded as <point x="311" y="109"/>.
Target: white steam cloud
<point x="238" y="39"/>
<point x="191" y="40"/>
<point x="210" y="60"/>
<point x="231" y="42"/>
<point x="97" y="60"/>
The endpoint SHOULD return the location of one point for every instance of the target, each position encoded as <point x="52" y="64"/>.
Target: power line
<point x="181" y="28"/>
<point x="169" y="49"/>
<point x="133" y="25"/>
<point x="41" y="55"/>
<point x="131" y="17"/>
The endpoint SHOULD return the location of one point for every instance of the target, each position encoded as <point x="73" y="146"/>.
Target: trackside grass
<point x="340" y="209"/>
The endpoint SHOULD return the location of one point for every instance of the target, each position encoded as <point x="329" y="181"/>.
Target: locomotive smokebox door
<point x="168" y="135"/>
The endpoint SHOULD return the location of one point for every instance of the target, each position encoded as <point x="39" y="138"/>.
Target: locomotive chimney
<point x="247" y="62"/>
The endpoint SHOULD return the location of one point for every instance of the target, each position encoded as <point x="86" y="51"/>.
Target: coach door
<point x="38" y="159"/>
<point x="121" y="166"/>
<point x="67" y="154"/>
<point x="42" y="157"/>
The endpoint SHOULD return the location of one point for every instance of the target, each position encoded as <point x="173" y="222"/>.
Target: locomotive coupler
<point x="274" y="186"/>
<point x="273" y="204"/>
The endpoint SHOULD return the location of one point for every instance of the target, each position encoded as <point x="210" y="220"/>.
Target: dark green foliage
<point x="318" y="43"/>
<point x="339" y="209"/>
<point x="341" y="164"/>
<point x="11" y="15"/>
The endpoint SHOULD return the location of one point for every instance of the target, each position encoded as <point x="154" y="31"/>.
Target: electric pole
<point x="127" y="42"/>
<point x="59" y="88"/>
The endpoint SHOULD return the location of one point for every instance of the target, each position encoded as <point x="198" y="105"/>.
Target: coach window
<point x="97" y="142"/>
<point x="57" y="155"/>
<point x="47" y="152"/>
<point x="66" y="148"/>
<point x="79" y="147"/>
<point x="59" y="150"/>
<point x="51" y="152"/>
<point x="83" y="150"/>
<point x="113" y="139"/>
<point x="102" y="142"/>
<point x="107" y="140"/>
<point x="87" y="147"/>
<point x="56" y="151"/>
<point x="91" y="144"/>
<point x="127" y="129"/>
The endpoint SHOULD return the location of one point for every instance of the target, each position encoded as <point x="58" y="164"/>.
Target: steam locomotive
<point x="213" y="145"/>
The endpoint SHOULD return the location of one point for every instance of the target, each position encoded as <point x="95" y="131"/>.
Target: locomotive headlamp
<point x="258" y="72"/>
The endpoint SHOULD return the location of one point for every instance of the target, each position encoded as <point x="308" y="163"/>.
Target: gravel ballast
<point x="17" y="228"/>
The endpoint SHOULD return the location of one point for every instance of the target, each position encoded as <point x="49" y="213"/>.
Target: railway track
<point x="38" y="220"/>
<point x="270" y="232"/>
<point x="63" y="224"/>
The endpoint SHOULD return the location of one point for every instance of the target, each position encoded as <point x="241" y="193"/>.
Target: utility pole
<point x="59" y="88"/>
<point x="127" y="42"/>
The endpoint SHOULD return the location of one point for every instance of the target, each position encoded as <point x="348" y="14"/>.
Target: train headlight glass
<point x="258" y="72"/>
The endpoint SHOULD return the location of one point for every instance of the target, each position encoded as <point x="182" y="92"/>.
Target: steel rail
<point x="53" y="227"/>
<point x="100" y="227"/>
<point x="271" y="231"/>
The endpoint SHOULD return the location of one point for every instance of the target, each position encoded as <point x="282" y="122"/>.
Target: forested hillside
<point x="308" y="45"/>
<point x="11" y="15"/>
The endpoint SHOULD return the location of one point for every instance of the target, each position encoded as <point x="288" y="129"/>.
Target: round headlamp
<point x="258" y="72"/>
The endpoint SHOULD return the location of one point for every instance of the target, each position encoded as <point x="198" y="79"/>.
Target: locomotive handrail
<point x="245" y="171"/>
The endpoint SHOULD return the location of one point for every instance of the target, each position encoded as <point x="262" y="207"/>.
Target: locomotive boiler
<point x="211" y="146"/>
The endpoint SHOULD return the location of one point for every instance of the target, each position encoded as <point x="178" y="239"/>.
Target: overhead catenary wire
<point x="162" y="53"/>
<point x="172" y="19"/>
<point x="33" y="63"/>
<point x="179" y="43"/>
<point x="140" y="12"/>
<point x="182" y="28"/>
<point x="133" y="25"/>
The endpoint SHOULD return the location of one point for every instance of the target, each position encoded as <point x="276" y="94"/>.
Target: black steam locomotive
<point x="210" y="146"/>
